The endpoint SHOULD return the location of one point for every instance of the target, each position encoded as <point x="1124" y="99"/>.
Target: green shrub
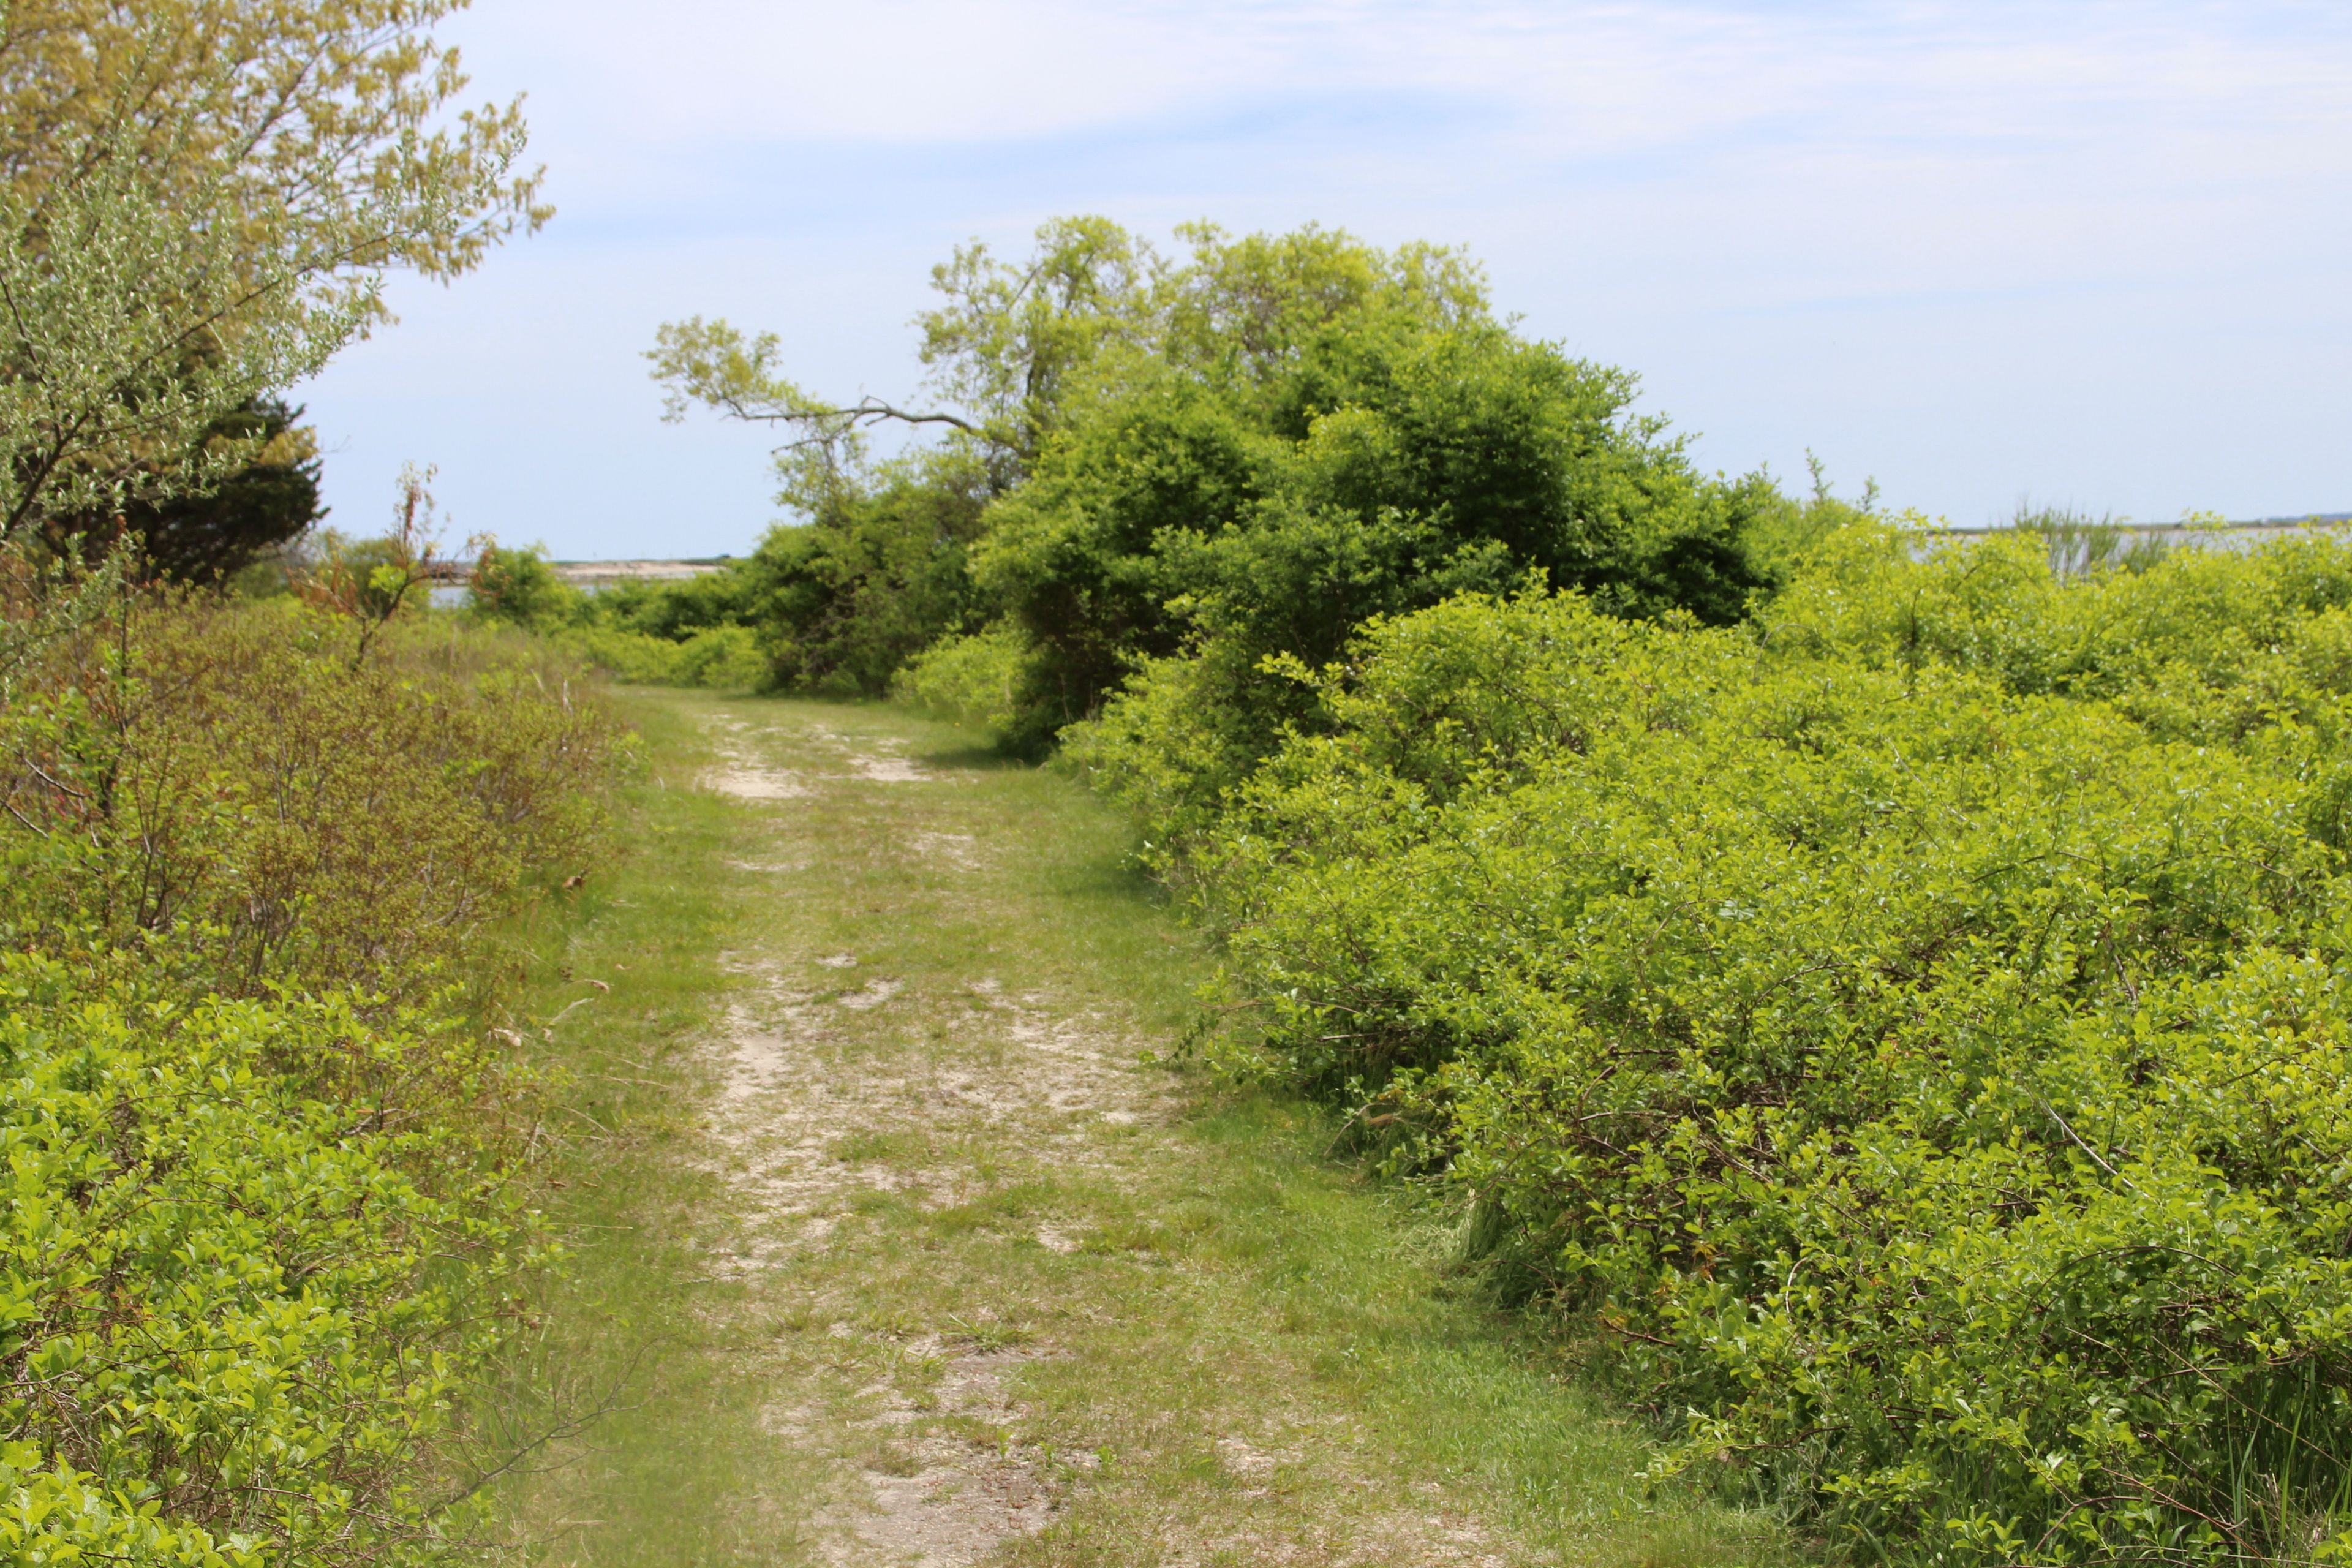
<point x="306" y="809"/>
<point x="975" y="679"/>
<point x="1239" y="452"/>
<point x="264" y="1238"/>
<point x="517" y="586"/>
<point x="1388" y="462"/>
<point x="1912" y="1029"/>
<point x="879" y="573"/>
<point x="726" y="657"/>
<point x="244" y="1287"/>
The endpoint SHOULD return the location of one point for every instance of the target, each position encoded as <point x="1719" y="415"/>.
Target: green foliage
<point x="878" y="573"/>
<point x="1238" y="453"/>
<point x="198" y="201"/>
<point x="975" y="679"/>
<point x="726" y="657"/>
<point x="518" y="587"/>
<point x="211" y="536"/>
<point x="1377" y="452"/>
<point x="286" y="805"/>
<point x="140" y="316"/>
<point x="243" y="1285"/>
<point x="264" y="1242"/>
<point x="1912" y="1028"/>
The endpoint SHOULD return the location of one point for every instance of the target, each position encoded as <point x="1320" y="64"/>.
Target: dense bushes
<point x="1234" y="455"/>
<point x="260" y="1243"/>
<point x="1398" y="461"/>
<point x="1911" y="1029"/>
<point x="245" y="1289"/>
<point x="668" y="634"/>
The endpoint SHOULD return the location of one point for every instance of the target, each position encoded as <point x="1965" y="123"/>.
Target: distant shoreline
<point x="647" y="569"/>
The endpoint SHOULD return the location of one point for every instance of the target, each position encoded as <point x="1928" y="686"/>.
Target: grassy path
<point x="898" y="1248"/>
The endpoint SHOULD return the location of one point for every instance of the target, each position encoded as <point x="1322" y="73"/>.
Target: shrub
<point x="975" y="679"/>
<point x="305" y="811"/>
<point x="1911" y="1030"/>
<point x="518" y="587"/>
<point x="723" y="658"/>
<point x="879" y="573"/>
<point x="263" y="1236"/>
<point x="1239" y="452"/>
<point x="1401" y="461"/>
<point x="244" y="1289"/>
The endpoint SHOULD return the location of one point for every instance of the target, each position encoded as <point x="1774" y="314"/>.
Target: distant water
<point x="2173" y="535"/>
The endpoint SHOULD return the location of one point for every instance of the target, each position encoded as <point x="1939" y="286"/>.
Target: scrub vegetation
<point x="1713" y="1028"/>
<point x="1910" y="1024"/>
<point x="264" y="1238"/>
<point x="1884" y="994"/>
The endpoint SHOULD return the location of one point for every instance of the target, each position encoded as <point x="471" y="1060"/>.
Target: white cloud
<point x="1978" y="247"/>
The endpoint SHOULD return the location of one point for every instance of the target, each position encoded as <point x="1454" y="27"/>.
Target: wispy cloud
<point x="2094" y="250"/>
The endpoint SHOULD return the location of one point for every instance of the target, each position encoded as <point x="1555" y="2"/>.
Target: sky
<point x="2086" y="254"/>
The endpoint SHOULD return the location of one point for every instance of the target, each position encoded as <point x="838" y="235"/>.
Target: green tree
<point x="328" y="117"/>
<point x="879" y="573"/>
<point x="517" y="586"/>
<point x="209" y="536"/>
<point x="198" y="200"/>
<point x="1238" y="451"/>
<point x="1336" y="453"/>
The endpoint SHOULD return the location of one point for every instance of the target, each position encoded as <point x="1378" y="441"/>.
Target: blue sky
<point x="2085" y="253"/>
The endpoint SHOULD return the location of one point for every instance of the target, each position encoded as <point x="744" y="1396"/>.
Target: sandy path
<point x="808" y="1078"/>
<point x="986" y="1294"/>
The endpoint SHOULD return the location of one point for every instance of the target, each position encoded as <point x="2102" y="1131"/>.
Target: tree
<point x="1245" y="449"/>
<point x="843" y="600"/>
<point x="517" y="586"/>
<point x="209" y="536"/>
<point x="1011" y="344"/>
<point x="198" y="201"/>
<point x="132" y="319"/>
<point x="315" y="114"/>
<point x="1001" y="351"/>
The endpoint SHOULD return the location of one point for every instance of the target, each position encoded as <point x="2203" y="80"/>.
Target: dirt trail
<point x="850" y="1080"/>
<point x="975" y="1281"/>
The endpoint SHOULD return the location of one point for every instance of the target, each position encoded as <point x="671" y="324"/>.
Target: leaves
<point x="1913" y="1029"/>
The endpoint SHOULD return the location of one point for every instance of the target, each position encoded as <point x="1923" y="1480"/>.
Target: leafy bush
<point x="724" y="658"/>
<point x="517" y="586"/>
<point x="974" y="679"/>
<point x="299" y="809"/>
<point x="243" y="1290"/>
<point x="877" y="574"/>
<point x="1398" y="448"/>
<point x="1912" y="1029"/>
<point x="263" y="1238"/>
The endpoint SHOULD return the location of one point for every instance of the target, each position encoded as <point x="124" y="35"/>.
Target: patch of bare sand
<point x="743" y="775"/>
<point x="886" y="769"/>
<point x="798" y="1083"/>
<point x="936" y="1499"/>
<point x="803" y="1087"/>
<point x="959" y="851"/>
<point x="745" y="781"/>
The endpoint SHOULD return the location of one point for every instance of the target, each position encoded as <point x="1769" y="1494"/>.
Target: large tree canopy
<point x="1236" y="453"/>
<point x="329" y="115"/>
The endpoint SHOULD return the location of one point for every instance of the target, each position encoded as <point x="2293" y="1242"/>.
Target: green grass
<point x="923" y="1221"/>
